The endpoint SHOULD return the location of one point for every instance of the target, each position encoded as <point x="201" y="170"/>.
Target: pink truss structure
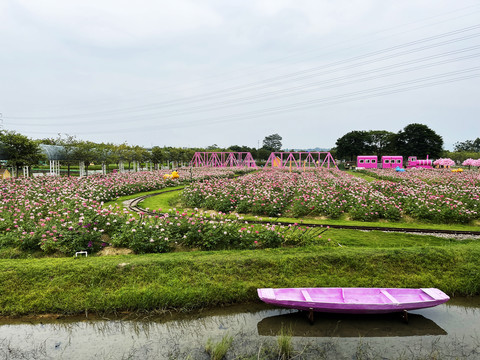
<point x="223" y="159"/>
<point x="300" y="159"/>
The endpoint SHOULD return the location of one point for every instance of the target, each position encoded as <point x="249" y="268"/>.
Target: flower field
<point x="65" y="215"/>
<point x="438" y="196"/>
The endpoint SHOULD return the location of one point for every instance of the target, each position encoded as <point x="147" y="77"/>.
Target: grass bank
<point x="208" y="279"/>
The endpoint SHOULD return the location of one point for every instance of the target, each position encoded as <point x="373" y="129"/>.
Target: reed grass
<point x="285" y="346"/>
<point x="218" y="350"/>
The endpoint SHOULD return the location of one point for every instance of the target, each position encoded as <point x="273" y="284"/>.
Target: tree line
<point x="18" y="151"/>
<point x="413" y="140"/>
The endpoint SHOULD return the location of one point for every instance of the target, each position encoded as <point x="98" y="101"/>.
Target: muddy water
<point x="451" y="330"/>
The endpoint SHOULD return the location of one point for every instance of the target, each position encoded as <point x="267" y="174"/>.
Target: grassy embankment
<point x="206" y="279"/>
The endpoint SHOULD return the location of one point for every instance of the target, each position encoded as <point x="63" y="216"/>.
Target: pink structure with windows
<point x="300" y="159"/>
<point x="413" y="162"/>
<point x="223" y="159"/>
<point x="367" y="161"/>
<point x="392" y="161"/>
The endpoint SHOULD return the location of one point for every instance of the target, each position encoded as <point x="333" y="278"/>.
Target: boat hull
<point x="354" y="300"/>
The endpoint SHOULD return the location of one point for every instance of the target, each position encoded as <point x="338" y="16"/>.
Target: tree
<point x="105" y="154"/>
<point x="353" y="144"/>
<point x="158" y="155"/>
<point x="20" y="150"/>
<point x="68" y="150"/>
<point x="272" y="143"/>
<point x="418" y="140"/>
<point x="187" y="155"/>
<point x="213" y="147"/>
<point x="263" y="154"/>
<point x="140" y="154"/>
<point x="460" y="156"/>
<point x="85" y="151"/>
<point x="381" y="142"/>
<point x="245" y="148"/>
<point x="468" y="146"/>
<point x="174" y="155"/>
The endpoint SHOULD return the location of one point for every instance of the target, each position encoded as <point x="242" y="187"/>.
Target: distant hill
<point x="315" y="149"/>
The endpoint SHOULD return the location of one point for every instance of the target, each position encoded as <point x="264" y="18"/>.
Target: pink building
<point x="367" y="161"/>
<point x="392" y="161"/>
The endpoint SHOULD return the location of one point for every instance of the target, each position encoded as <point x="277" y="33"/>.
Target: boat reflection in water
<point x="343" y="325"/>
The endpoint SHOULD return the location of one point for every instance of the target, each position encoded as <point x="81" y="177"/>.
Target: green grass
<point x="164" y="201"/>
<point x="191" y="280"/>
<point x="120" y="200"/>
<point x="411" y="224"/>
<point x="362" y="175"/>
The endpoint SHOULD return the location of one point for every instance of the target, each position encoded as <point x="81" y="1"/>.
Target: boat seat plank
<point x="306" y="295"/>
<point x="430" y="292"/>
<point x="390" y="296"/>
<point x="268" y="294"/>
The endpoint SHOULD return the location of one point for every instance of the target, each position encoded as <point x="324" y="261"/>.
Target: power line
<point x="353" y="79"/>
<point x="328" y="101"/>
<point x="243" y="72"/>
<point x="292" y="76"/>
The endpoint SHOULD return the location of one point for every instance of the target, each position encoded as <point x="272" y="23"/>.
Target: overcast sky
<point x="196" y="73"/>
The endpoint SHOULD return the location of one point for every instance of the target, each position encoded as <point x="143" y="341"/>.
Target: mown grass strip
<point x="164" y="201"/>
<point x="120" y="200"/>
<point x="362" y="176"/>
<point x="208" y="279"/>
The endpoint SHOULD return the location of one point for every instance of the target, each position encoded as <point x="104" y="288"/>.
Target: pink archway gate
<point x="223" y="159"/>
<point x="300" y="159"/>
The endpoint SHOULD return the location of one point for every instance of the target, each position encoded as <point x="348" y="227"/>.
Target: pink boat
<point x="353" y="300"/>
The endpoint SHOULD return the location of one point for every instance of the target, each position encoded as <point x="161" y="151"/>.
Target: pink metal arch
<point x="300" y="159"/>
<point x="223" y="159"/>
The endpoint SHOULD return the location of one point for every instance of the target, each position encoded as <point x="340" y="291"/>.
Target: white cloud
<point x="319" y="16"/>
<point x="120" y="22"/>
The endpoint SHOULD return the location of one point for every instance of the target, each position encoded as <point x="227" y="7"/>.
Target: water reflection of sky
<point x="452" y="327"/>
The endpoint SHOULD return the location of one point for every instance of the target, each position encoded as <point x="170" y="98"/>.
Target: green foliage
<point x="272" y="142"/>
<point x="418" y="140"/>
<point x="468" y="146"/>
<point x="19" y="150"/>
<point x="354" y="143"/>
<point x="461" y="156"/>
<point x="414" y="139"/>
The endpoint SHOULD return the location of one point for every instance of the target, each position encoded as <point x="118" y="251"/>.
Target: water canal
<point x="448" y="331"/>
